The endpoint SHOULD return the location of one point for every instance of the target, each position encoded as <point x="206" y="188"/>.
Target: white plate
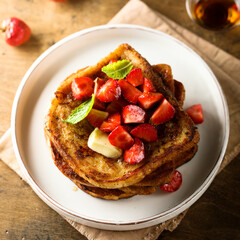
<point x="86" y="48"/>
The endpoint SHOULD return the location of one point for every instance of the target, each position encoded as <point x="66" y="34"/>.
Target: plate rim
<point x="165" y="215"/>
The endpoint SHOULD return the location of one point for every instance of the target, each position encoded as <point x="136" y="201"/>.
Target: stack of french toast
<point x="133" y="171"/>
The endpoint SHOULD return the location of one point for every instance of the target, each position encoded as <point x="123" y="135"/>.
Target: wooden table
<point x="23" y="215"/>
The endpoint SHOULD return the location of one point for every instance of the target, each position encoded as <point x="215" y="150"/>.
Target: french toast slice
<point x="176" y="136"/>
<point x="146" y="186"/>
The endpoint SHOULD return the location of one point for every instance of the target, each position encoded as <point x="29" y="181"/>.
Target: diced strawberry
<point x="116" y="106"/>
<point x="99" y="105"/>
<point x="128" y="127"/>
<point x="119" y="137"/>
<point x="98" y="82"/>
<point x="146" y="132"/>
<point x="135" y="77"/>
<point x="129" y="92"/>
<point x="82" y="87"/>
<point x="133" y="114"/>
<point x="196" y="113"/>
<point x="148" y="99"/>
<point x="175" y="183"/>
<point x="109" y="92"/>
<point x="112" y="61"/>
<point x="111" y="123"/>
<point x="136" y="153"/>
<point x="96" y="117"/>
<point x="148" y="85"/>
<point x="164" y="113"/>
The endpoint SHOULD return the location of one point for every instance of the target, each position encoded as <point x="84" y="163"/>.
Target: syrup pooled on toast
<point x="217" y="14"/>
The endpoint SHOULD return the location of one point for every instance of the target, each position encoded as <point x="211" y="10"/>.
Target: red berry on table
<point x="109" y="92"/>
<point x="145" y="132"/>
<point x="148" y="85"/>
<point x="96" y="117"/>
<point x="129" y="92"/>
<point x="119" y="137"/>
<point x="16" y="31"/>
<point x="82" y="87"/>
<point x="175" y="183"/>
<point x="133" y="114"/>
<point x="136" y="153"/>
<point x="163" y="113"/>
<point x="111" y="123"/>
<point x="148" y="99"/>
<point x="196" y="113"/>
<point x="135" y="77"/>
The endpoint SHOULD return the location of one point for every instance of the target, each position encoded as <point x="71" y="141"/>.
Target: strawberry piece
<point x="175" y="183"/>
<point x="136" y="153"/>
<point x="128" y="127"/>
<point x="98" y="82"/>
<point x="82" y="87"/>
<point x="196" y="113"/>
<point x="146" y="132"/>
<point x="129" y="92"/>
<point x="109" y="92"/>
<point x="135" y="77"/>
<point x="99" y="105"/>
<point x="16" y="31"/>
<point x="148" y="99"/>
<point x="133" y="114"/>
<point x="116" y="106"/>
<point x="111" y="123"/>
<point x="96" y="117"/>
<point x="119" y="137"/>
<point x="164" y="113"/>
<point x="148" y="85"/>
<point x="112" y="61"/>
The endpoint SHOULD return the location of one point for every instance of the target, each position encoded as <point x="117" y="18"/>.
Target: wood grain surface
<point x="23" y="215"/>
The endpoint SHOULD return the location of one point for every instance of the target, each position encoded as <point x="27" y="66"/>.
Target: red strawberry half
<point x="111" y="123"/>
<point x="96" y="117"/>
<point x="129" y="92"/>
<point x="146" y="132"/>
<point x="109" y="92"/>
<point x="196" y="113"/>
<point x="133" y="114"/>
<point x="148" y="99"/>
<point x="119" y="137"/>
<point x="175" y="183"/>
<point x="136" y="153"/>
<point x="135" y="77"/>
<point x="148" y="86"/>
<point x="82" y="87"/>
<point x="164" y="113"/>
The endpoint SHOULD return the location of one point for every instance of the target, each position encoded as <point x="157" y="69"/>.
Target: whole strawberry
<point x="16" y="31"/>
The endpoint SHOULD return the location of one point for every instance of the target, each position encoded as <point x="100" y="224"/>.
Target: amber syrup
<point x="217" y="14"/>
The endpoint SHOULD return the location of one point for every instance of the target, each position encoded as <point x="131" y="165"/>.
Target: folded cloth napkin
<point x="226" y="69"/>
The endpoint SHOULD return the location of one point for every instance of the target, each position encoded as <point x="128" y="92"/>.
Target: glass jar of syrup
<point x="215" y="14"/>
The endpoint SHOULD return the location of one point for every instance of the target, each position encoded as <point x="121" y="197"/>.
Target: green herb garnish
<point x="118" y="70"/>
<point x="80" y="112"/>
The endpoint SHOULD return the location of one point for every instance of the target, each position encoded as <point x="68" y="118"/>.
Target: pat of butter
<point x="98" y="142"/>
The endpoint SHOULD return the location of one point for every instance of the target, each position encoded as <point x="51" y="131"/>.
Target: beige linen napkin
<point x="225" y="67"/>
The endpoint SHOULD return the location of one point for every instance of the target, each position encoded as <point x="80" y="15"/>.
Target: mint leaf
<point x="118" y="70"/>
<point x="80" y="112"/>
